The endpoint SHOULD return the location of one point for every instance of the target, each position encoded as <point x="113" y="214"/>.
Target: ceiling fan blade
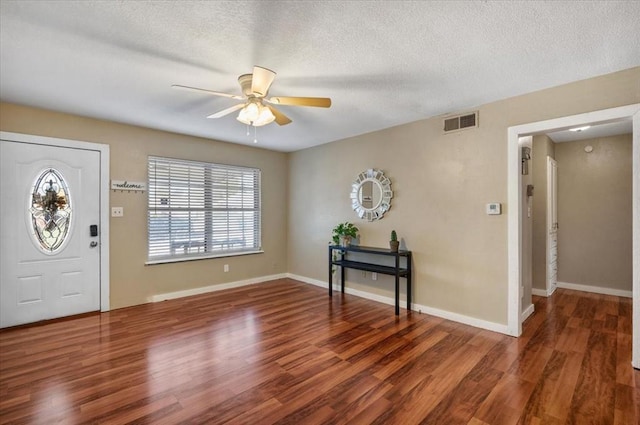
<point x="261" y="81"/>
<point x="281" y="118"/>
<point x="215" y="93"/>
<point x="226" y="111"/>
<point x="321" y="102"/>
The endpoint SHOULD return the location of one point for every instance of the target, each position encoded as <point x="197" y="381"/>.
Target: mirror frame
<point x="383" y="183"/>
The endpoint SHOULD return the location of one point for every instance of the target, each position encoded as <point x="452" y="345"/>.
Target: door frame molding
<point x="551" y="203"/>
<point x="514" y="199"/>
<point x="103" y="150"/>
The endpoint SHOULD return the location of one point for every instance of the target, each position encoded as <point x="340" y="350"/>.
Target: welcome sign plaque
<point x="128" y="185"/>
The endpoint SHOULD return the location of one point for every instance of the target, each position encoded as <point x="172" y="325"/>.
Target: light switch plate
<point x="117" y="212"/>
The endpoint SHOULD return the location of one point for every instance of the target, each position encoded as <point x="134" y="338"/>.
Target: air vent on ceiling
<point x="461" y="122"/>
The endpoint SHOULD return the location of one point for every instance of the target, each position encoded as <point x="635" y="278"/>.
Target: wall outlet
<point x="374" y="276"/>
<point x="226" y="268"/>
<point x="117" y="212"/>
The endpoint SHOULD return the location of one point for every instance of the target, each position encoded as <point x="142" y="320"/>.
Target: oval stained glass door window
<point x="50" y="210"/>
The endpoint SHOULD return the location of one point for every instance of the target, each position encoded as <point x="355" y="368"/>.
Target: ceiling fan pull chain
<point x="255" y="134"/>
<point x="247" y="130"/>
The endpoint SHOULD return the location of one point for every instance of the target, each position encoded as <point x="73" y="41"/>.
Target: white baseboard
<point x="596" y="289"/>
<point x="539" y="292"/>
<point x="213" y="288"/>
<point x="527" y="312"/>
<point x="315" y="282"/>
<point x="460" y="318"/>
<point x="466" y="320"/>
<point x="543" y="292"/>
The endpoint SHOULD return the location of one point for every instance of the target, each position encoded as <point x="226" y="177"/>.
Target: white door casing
<point x="36" y="284"/>
<point x="552" y="225"/>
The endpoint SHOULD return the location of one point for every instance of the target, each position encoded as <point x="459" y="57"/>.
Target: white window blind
<point x="199" y="209"/>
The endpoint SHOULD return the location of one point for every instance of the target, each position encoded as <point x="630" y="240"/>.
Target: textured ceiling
<point x="382" y="63"/>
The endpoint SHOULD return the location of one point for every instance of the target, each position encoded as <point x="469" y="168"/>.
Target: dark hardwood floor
<point x="283" y="352"/>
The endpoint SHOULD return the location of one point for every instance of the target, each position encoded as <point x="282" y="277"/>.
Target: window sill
<point x="203" y="257"/>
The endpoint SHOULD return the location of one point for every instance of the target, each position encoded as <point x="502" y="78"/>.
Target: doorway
<point x="629" y="112"/>
<point x="55" y="229"/>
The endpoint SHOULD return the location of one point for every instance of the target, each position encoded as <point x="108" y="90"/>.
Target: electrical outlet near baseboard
<point x="117" y="212"/>
<point x="374" y="276"/>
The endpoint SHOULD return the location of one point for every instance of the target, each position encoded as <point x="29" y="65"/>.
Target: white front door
<point x="49" y="255"/>
<point x="552" y="225"/>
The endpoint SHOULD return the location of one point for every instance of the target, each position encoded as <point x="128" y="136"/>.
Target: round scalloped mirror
<point x="371" y="194"/>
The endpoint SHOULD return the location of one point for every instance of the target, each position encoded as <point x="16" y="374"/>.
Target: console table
<point x="396" y="270"/>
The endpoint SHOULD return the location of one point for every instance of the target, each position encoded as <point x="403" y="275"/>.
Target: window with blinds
<point x="199" y="209"/>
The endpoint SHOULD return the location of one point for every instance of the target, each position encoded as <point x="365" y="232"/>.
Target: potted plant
<point x="343" y="233"/>
<point x="393" y="243"/>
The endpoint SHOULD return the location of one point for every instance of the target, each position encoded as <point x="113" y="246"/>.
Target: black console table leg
<point x="409" y="277"/>
<point x="409" y="292"/>
<point x="397" y="295"/>
<point x="330" y="272"/>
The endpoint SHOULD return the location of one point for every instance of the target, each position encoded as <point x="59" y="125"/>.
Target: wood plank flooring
<point x="283" y="352"/>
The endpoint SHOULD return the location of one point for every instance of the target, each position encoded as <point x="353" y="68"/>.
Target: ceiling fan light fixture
<point x="249" y="113"/>
<point x="255" y="114"/>
<point x="265" y="117"/>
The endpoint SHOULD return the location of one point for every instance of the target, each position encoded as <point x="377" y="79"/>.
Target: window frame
<point x="209" y="169"/>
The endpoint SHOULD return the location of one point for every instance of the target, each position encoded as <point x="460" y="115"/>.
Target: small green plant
<point x="393" y="242"/>
<point x="342" y="235"/>
<point x="342" y="230"/>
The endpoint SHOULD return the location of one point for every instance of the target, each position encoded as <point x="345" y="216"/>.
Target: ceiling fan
<point x="257" y="109"/>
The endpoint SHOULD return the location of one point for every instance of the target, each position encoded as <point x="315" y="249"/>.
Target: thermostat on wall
<point x="494" y="208"/>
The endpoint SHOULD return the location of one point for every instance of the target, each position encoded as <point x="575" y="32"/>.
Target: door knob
<point x="93" y="244"/>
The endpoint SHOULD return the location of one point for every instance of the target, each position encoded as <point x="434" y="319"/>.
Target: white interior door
<point x="50" y="261"/>
<point x="552" y="224"/>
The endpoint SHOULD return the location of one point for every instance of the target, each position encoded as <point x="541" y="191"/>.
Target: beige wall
<point x="543" y="147"/>
<point x="131" y="281"/>
<point x="594" y="212"/>
<point x="441" y="184"/>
